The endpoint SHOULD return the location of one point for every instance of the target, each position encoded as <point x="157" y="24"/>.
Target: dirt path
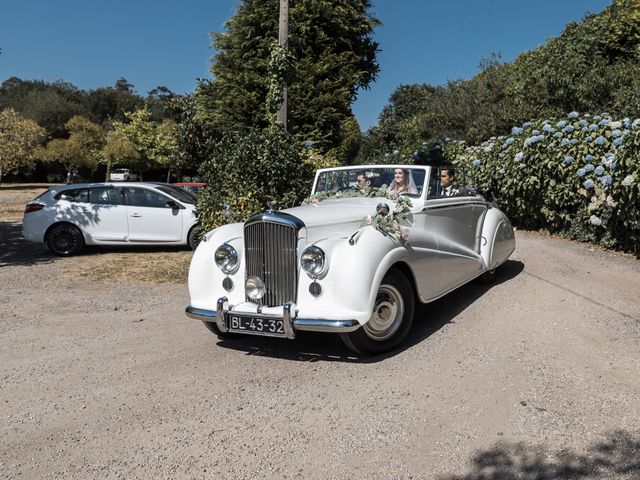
<point x="537" y="376"/>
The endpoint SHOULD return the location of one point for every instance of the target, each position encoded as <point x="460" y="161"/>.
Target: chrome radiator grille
<point x="270" y="253"/>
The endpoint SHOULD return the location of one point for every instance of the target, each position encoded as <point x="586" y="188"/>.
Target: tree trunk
<point x="169" y="176"/>
<point x="0" y="170"/>
<point x="283" y="34"/>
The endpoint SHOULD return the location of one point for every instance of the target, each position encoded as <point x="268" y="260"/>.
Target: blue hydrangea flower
<point x="561" y="124"/>
<point x="616" y="133"/>
<point x="509" y="141"/>
<point x="526" y="124"/>
<point x="535" y="133"/>
<point x="613" y="166"/>
<point x="599" y="171"/>
<point x="589" y="158"/>
<point x="547" y="128"/>
<point x="636" y="123"/>
<point x="573" y="141"/>
<point x="596" y="117"/>
<point x="581" y="172"/>
<point x="594" y="220"/>
<point x="605" y="121"/>
<point x="616" y="125"/>
<point x="307" y="144"/>
<point x="519" y="157"/>
<point x="396" y="152"/>
<point x="593" y="127"/>
<point x="588" y="184"/>
<point x="617" y="142"/>
<point x="582" y="122"/>
<point x="606" y="180"/>
<point x="601" y="140"/>
<point x="476" y="162"/>
<point x="569" y="128"/>
<point x="557" y="134"/>
<point x="588" y="139"/>
<point x="584" y="129"/>
<point x="589" y="168"/>
<point x="564" y="142"/>
<point x="573" y="115"/>
<point x="568" y="160"/>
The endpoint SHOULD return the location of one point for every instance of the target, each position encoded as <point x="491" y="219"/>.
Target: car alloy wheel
<point x="65" y="240"/>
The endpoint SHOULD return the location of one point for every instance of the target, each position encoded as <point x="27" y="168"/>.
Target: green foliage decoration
<point x="394" y="225"/>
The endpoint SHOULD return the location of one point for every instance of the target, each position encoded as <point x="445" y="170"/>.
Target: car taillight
<point x="33" y="207"/>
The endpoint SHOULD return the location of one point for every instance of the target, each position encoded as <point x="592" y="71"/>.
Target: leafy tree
<point x="333" y="57"/>
<point x="118" y="150"/>
<point x="592" y="66"/>
<point x="19" y="139"/>
<point x="155" y="142"/>
<point x="81" y="149"/>
<point x="112" y="103"/>
<point x="195" y="138"/>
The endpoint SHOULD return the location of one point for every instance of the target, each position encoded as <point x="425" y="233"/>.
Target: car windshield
<point x="178" y="193"/>
<point x="404" y="180"/>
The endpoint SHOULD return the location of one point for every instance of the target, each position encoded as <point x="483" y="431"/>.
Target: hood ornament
<point x="226" y="212"/>
<point x="271" y="204"/>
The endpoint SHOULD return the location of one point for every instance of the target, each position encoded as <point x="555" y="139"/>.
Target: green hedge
<point x="577" y="176"/>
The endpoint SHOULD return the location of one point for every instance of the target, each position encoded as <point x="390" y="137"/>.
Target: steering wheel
<point x="347" y="188"/>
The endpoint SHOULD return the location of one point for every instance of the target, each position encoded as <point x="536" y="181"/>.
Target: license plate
<point x="268" y="326"/>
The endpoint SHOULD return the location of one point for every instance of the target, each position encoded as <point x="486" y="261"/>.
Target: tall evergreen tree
<point x="334" y="56"/>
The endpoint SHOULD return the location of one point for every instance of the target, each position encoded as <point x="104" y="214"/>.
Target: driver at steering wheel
<point x="362" y="181"/>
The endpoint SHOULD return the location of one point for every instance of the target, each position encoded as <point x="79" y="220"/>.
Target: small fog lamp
<point x="254" y="287"/>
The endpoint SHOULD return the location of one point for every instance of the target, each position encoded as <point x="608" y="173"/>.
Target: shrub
<point x="246" y="171"/>
<point x="578" y="176"/>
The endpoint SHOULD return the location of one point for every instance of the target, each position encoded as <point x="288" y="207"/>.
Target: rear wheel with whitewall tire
<point x="390" y="320"/>
<point x="65" y="240"/>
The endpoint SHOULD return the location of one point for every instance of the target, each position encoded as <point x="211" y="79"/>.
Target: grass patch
<point x="14" y="197"/>
<point x="132" y="267"/>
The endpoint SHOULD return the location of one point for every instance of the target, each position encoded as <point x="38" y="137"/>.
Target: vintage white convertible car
<point x="354" y="259"/>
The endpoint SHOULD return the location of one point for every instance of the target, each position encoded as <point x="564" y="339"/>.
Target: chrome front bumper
<point x="291" y="324"/>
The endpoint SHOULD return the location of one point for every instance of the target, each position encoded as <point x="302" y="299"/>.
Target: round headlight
<point x="226" y="258"/>
<point x="312" y="260"/>
<point x="254" y="288"/>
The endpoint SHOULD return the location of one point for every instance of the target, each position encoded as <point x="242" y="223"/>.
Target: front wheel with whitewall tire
<point x="390" y="320"/>
<point x="65" y="240"/>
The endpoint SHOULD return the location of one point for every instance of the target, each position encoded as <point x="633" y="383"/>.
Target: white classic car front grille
<point x="270" y="254"/>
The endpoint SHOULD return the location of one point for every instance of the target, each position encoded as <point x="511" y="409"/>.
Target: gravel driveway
<point x="536" y="376"/>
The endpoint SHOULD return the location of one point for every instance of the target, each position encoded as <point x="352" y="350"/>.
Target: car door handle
<point x="136" y="215"/>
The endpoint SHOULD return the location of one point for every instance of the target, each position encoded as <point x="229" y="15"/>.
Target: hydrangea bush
<point x="578" y="176"/>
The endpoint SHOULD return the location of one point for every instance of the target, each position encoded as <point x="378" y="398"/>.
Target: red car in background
<point x="193" y="188"/>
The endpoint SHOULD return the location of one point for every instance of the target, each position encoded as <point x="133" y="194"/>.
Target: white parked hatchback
<point x="68" y="217"/>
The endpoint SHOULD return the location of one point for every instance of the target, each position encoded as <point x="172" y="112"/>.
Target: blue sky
<point x="92" y="44"/>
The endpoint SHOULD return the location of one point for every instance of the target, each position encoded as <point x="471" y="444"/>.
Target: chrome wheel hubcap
<point x="387" y="314"/>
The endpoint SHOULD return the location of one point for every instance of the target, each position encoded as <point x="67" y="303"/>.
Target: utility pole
<point x="283" y="34"/>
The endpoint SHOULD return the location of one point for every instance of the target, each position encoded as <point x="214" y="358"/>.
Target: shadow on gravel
<point x="15" y="250"/>
<point x="617" y="457"/>
<point x="312" y="347"/>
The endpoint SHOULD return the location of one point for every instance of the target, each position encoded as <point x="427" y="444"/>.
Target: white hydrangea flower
<point x="595" y="220"/>
<point x="628" y="181"/>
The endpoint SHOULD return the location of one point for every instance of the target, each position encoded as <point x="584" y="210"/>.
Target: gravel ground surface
<point x="534" y="377"/>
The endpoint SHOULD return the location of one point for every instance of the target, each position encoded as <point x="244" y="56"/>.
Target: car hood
<point x="341" y="216"/>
